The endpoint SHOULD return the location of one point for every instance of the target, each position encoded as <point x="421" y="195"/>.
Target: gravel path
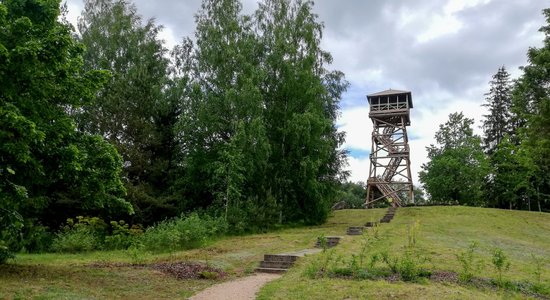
<point x="242" y="288"/>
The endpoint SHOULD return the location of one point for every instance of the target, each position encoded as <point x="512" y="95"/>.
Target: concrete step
<point x="371" y="224"/>
<point x="276" y="264"/>
<point x="271" y="270"/>
<point x="280" y="257"/>
<point x="354" y="230"/>
<point x="331" y="241"/>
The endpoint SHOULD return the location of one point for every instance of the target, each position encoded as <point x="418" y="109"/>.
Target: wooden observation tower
<point x="390" y="166"/>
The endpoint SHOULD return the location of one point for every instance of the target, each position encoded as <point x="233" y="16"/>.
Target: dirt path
<point x="242" y="288"/>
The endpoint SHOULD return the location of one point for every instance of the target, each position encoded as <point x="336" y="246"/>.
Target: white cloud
<point x="358" y="127"/>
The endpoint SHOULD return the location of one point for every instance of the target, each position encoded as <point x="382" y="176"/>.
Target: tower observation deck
<point x="390" y="166"/>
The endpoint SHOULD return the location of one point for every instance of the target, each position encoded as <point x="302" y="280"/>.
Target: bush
<point x="36" y="239"/>
<point x="468" y="264"/>
<point x="409" y="266"/>
<point x="182" y="233"/>
<point x="501" y="263"/>
<point x="5" y="253"/>
<point x="122" y="236"/>
<point x="86" y="234"/>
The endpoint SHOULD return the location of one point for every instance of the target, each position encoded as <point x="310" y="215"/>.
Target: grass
<point x="444" y="231"/>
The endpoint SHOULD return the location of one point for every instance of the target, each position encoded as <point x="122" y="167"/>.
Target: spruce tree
<point x="498" y="122"/>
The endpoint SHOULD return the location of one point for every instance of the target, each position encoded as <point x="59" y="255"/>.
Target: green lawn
<point x="444" y="231"/>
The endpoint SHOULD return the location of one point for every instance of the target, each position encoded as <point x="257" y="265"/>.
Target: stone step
<point x="384" y="221"/>
<point x="276" y="264"/>
<point x="355" y="230"/>
<point x="371" y="224"/>
<point x="330" y="243"/>
<point x="271" y="270"/>
<point x="280" y="257"/>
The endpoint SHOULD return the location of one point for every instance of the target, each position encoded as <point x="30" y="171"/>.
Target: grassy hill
<point x="441" y="233"/>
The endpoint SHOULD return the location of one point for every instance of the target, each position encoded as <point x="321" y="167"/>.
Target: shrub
<point x="5" y="252"/>
<point x="408" y="266"/>
<point x="467" y="262"/>
<point x="122" y="236"/>
<point x="86" y="234"/>
<point x="501" y="263"/>
<point x="182" y="233"/>
<point x="36" y="238"/>
<point x="76" y="240"/>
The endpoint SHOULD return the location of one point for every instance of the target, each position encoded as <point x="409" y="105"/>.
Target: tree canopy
<point x="47" y="167"/>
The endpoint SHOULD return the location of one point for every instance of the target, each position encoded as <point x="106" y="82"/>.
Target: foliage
<point x="512" y="170"/>
<point x="122" y="236"/>
<point x="468" y="263"/>
<point x="538" y="263"/>
<point x="301" y="98"/>
<point x="134" y="110"/>
<point x="499" y="122"/>
<point x="531" y="101"/>
<point x="258" y="134"/>
<point x="409" y="265"/>
<point x="84" y="234"/>
<point x="185" y="232"/>
<point x="45" y="161"/>
<point x="36" y="238"/>
<point x="413" y="231"/>
<point x="457" y="166"/>
<point x="353" y="194"/>
<point x="501" y="263"/>
<point x="93" y="233"/>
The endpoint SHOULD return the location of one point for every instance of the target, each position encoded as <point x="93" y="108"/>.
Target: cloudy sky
<point x="444" y="51"/>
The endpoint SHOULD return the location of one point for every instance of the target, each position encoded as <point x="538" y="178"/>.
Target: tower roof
<point x="393" y="94"/>
<point x="389" y="92"/>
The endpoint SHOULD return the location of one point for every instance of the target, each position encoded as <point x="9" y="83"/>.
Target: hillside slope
<point x="441" y="233"/>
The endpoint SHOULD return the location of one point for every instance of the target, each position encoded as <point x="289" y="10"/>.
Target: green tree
<point x="223" y="130"/>
<point x="133" y="111"/>
<point x="512" y="170"/>
<point x="301" y="100"/>
<point x="457" y="167"/>
<point x="531" y="101"/>
<point x="499" y="121"/>
<point x="47" y="168"/>
<point x="352" y="193"/>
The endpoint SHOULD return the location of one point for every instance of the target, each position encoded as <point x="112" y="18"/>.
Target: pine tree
<point x="499" y="121"/>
